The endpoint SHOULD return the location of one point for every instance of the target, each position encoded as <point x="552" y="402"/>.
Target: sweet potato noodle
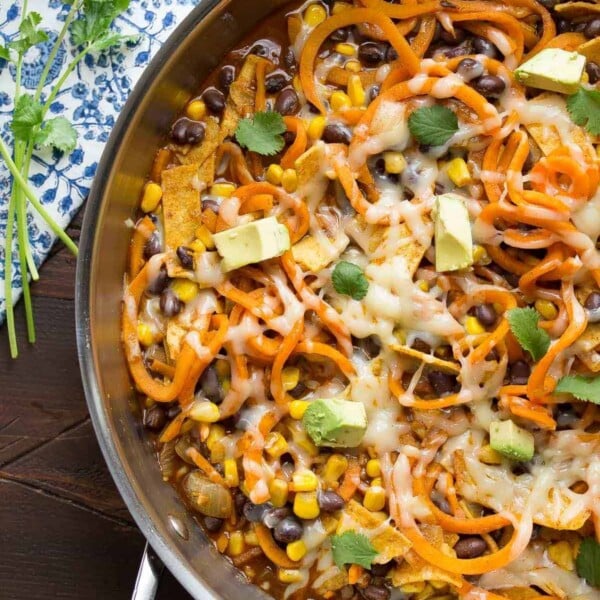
<point x="227" y="363"/>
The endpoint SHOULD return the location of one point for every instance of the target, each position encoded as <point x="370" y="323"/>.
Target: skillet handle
<point x="148" y="576"/>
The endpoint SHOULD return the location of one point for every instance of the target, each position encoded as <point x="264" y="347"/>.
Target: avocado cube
<point x="335" y="422"/>
<point x="554" y="70"/>
<point x="452" y="231"/>
<point x="511" y="441"/>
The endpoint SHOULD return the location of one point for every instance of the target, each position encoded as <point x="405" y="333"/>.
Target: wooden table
<point x="64" y="530"/>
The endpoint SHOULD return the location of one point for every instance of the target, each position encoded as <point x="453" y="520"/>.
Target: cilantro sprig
<point x="583" y="388"/>
<point x="262" y="134"/>
<point x="588" y="561"/>
<point x="584" y="109"/>
<point x="432" y="125"/>
<point x="89" y="24"/>
<point x="351" y="548"/>
<point x="524" y="325"/>
<point x="349" y="279"/>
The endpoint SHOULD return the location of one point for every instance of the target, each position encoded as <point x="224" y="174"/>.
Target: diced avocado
<point x="453" y="238"/>
<point x="511" y="441"/>
<point x="252" y="243"/>
<point x="335" y="422"/>
<point x="553" y="69"/>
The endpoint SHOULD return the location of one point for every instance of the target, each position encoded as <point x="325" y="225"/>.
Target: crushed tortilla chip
<point x="429" y="359"/>
<point x="309" y="166"/>
<point x="388" y="542"/>
<point x="591" y="50"/>
<point x="418" y="570"/>
<point x="310" y="254"/>
<point x="336" y="582"/>
<point x="174" y="339"/>
<point x="572" y="10"/>
<point x="586" y="347"/>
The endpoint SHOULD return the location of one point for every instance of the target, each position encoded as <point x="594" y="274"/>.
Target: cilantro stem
<point x="8" y="246"/>
<point x="66" y="240"/>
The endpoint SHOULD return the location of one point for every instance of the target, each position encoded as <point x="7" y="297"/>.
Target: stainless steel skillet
<point x="189" y="55"/>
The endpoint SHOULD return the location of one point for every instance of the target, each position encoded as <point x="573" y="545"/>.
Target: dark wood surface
<point x="64" y="530"/>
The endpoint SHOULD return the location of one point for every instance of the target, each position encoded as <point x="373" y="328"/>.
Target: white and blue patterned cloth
<point x="91" y="99"/>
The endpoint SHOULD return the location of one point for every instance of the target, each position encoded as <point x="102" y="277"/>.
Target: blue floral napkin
<point x="91" y="99"/>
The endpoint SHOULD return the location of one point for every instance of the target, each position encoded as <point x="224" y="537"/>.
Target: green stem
<point x="23" y="237"/>
<point x="67" y="241"/>
<point x="10" y="315"/>
<point x="63" y="78"/>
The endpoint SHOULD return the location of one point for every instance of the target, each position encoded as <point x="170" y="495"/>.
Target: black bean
<point x="260" y="50"/>
<point x="381" y="570"/>
<point x="287" y="102"/>
<point x="519" y="372"/>
<point x="239" y="500"/>
<point x="154" y="418"/>
<point x="592" y="29"/>
<point x="375" y="592"/>
<point x="457" y="37"/>
<point x="391" y="54"/>
<point x="347" y="592"/>
<point x="421" y="346"/>
<point x="566" y="416"/>
<point x="489" y="86"/>
<point x="485" y="314"/>
<point x="160" y="282"/>
<point x="372" y="93"/>
<point x="330" y="501"/>
<point x="483" y="46"/>
<point x="299" y="391"/>
<point x="173" y="410"/>
<point x="469" y="68"/>
<point x="371" y="54"/>
<point x="592" y="302"/>
<point x="454" y="51"/>
<point x="442" y="383"/>
<point x="443" y="505"/>
<point x="288" y="530"/>
<point x="438" y="188"/>
<point x="152" y="246"/>
<point x="210" y="385"/>
<point x="276" y="82"/>
<point x="289" y="137"/>
<point x="529" y="162"/>
<point x="289" y="58"/>
<point x="213" y="524"/>
<point x="254" y="512"/>
<point x="579" y="27"/>
<point x="273" y="516"/>
<point x="210" y="204"/>
<point x="170" y="304"/>
<point x="336" y="133"/>
<point x="593" y="71"/>
<point x="562" y="25"/>
<point x="186" y="257"/>
<point x="470" y="547"/>
<point x="549" y="4"/>
<point x="214" y="100"/>
<point x="226" y="77"/>
<point x="340" y="35"/>
<point x="186" y="131"/>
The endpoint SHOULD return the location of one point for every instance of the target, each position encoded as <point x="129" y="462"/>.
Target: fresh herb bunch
<point x="88" y="23"/>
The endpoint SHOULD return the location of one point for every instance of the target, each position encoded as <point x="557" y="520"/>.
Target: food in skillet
<point x="363" y="307"/>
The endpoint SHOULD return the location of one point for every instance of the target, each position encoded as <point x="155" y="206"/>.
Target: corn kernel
<point x="339" y="7"/>
<point x="226" y="385"/>
<point x="296" y="550"/>
<point x="222" y="542"/>
<point x="314" y="15"/>
<point x="145" y="334"/>
<point x="353" y="66"/>
<point x="561" y="553"/>
<point x="356" y="92"/>
<point x="329" y="523"/>
<point x="306" y="444"/>
<point x="289" y="575"/>
<point x="215" y="434"/>
<point x="205" y="236"/>
<point x="298" y="408"/>
<point x="374" y="499"/>
<point x="335" y="467"/>
<point x="152" y="196"/>
<point x="225" y="190"/>
<point x="196" y="110"/>
<point x="304" y="480"/>
<point x="547" y="309"/>
<point x="489" y="456"/>
<point x="290" y="377"/>
<point x="297" y="84"/>
<point x="278" y="488"/>
<point x="585" y="78"/>
<point x="251" y="538"/>
<point x="412" y="588"/>
<point x="316" y="127"/>
<point x="436" y="584"/>
<point x="377" y="482"/>
<point x="204" y="412"/>
<point x="423" y="285"/>
<point x="223" y="368"/>
<point x="274" y="174"/>
<point x="395" y="162"/>
<point x="473" y="326"/>
<point x="306" y="505"/>
<point x="374" y="468"/>
<point x="480" y="255"/>
<point x="197" y="246"/>
<point x="217" y="452"/>
<point x="458" y="172"/>
<point x="236" y="543"/>
<point x="339" y="101"/>
<point x="185" y="289"/>
<point x="289" y="180"/>
<point x="275" y="444"/>
<point x="230" y="470"/>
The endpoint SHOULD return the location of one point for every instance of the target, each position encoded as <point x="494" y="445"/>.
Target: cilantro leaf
<point x="30" y="33"/>
<point x="350" y="280"/>
<point x="583" y="388"/>
<point x="26" y="116"/>
<point x="524" y="325"/>
<point x="584" y="108"/>
<point x="57" y="133"/>
<point x="588" y="561"/>
<point x="352" y="548"/>
<point x="433" y="125"/>
<point x="4" y="53"/>
<point x="262" y="134"/>
<point x="93" y="26"/>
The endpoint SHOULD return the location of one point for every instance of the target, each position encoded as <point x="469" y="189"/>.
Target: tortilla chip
<point x="586" y="345"/>
<point x="310" y="255"/>
<point x="243" y="90"/>
<point x="181" y="205"/>
<point x="336" y="582"/>
<point x="591" y="50"/>
<point x="572" y="10"/>
<point x="174" y="339"/>
<point x="429" y="359"/>
<point x="229" y="121"/>
<point x="414" y="570"/>
<point x="309" y="165"/>
<point x="389" y="542"/>
<point x="519" y="593"/>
